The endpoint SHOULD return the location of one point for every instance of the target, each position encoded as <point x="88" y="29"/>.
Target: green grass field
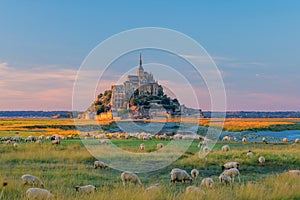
<point x="64" y="166"/>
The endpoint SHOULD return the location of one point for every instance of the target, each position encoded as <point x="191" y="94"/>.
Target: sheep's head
<point x="77" y="188"/>
<point x="42" y="185"/>
<point x="223" y="167"/>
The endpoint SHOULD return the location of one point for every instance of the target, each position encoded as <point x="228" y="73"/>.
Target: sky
<point x="255" y="45"/>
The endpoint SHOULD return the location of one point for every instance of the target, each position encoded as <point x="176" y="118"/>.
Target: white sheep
<point x="230" y="165"/>
<point x="38" y="141"/>
<point x="250" y="153"/>
<point x="30" y="179"/>
<point x="194" y="173"/>
<point x="225" y="179"/>
<point x="206" y="149"/>
<point x="38" y="194"/>
<point x="261" y="160"/>
<point x="226" y="138"/>
<point x="142" y="146"/>
<point x="56" y="141"/>
<point x="159" y="145"/>
<point x="294" y="172"/>
<point x="207" y="182"/>
<point x="297" y="140"/>
<point x="130" y="177"/>
<point x="232" y="173"/>
<point x="194" y="190"/>
<point x="244" y="140"/>
<point x="179" y="175"/>
<point x="225" y="148"/>
<point x="15" y="145"/>
<point x="87" y="189"/>
<point x="99" y="164"/>
<point x="154" y="187"/>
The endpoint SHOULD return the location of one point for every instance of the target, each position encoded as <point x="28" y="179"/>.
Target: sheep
<point x="230" y="165"/>
<point x="225" y="179"/>
<point x="38" y="141"/>
<point x="193" y="189"/>
<point x="99" y="164"/>
<point x="226" y="138"/>
<point x="142" y="146"/>
<point x="285" y="140"/>
<point x="38" y="193"/>
<point x="29" y="179"/>
<point x="131" y="178"/>
<point x="151" y="188"/>
<point x="225" y="148"/>
<point x="250" y="153"/>
<point x="15" y="145"/>
<point x="206" y="149"/>
<point x="180" y="176"/>
<point x="294" y="172"/>
<point x="194" y="173"/>
<point x="232" y="173"/>
<point x="297" y="140"/>
<point x="261" y="160"/>
<point x="87" y="189"/>
<point x="244" y="140"/>
<point x="56" y="141"/>
<point x="207" y="182"/>
<point x="264" y="139"/>
<point x="159" y="145"/>
<point x="7" y="142"/>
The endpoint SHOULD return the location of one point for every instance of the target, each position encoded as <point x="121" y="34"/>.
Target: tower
<point x="140" y="70"/>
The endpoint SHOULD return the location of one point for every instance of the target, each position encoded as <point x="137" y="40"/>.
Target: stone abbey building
<point x="143" y="82"/>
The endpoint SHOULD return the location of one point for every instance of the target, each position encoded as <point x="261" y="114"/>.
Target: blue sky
<point x="255" y="45"/>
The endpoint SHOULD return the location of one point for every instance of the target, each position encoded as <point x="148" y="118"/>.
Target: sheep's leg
<point x="239" y="178"/>
<point x="232" y="179"/>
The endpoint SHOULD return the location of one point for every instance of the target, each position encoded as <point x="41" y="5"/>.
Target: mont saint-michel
<point x="140" y="96"/>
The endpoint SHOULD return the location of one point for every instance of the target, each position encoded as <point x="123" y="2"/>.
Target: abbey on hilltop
<point x="143" y="82"/>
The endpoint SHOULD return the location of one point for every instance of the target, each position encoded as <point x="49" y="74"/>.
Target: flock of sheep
<point x="230" y="169"/>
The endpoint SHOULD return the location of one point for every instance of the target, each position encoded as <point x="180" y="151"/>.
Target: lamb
<point x="250" y="153"/>
<point x="151" y="188"/>
<point x="142" y="146"/>
<point x="230" y="165"/>
<point x="297" y="140"/>
<point x="264" y="139"/>
<point x="244" y="140"/>
<point x="29" y="179"/>
<point x="284" y="140"/>
<point x="38" y="193"/>
<point x="193" y="189"/>
<point x="131" y="178"/>
<point x="38" y="141"/>
<point x="194" y="173"/>
<point x="225" y="179"/>
<point x="87" y="189"/>
<point x="225" y="148"/>
<point x="232" y="173"/>
<point x="294" y="172"/>
<point x="207" y="182"/>
<point x="180" y="176"/>
<point x="15" y="145"/>
<point x="226" y="138"/>
<point x="159" y="145"/>
<point x="99" y="164"/>
<point x="261" y="160"/>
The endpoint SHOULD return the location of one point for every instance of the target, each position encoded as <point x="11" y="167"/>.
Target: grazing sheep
<point x="230" y="165"/>
<point x="264" y="139"/>
<point x="244" y="140"/>
<point x="261" y="160"/>
<point x="15" y="145"/>
<point x="7" y="142"/>
<point x="29" y="179"/>
<point x="151" y="188"/>
<point x="159" y="145"/>
<point x="225" y="179"/>
<point x="87" y="189"/>
<point x="294" y="172"/>
<point x="225" y="148"/>
<point x="206" y="149"/>
<point x="38" y="194"/>
<point x="207" y="182"/>
<point x="99" y="164"/>
<point x="297" y="140"/>
<point x="232" y="173"/>
<point x="226" y="138"/>
<point x="56" y="141"/>
<point x="30" y="138"/>
<point x="38" y="141"/>
<point x="285" y="140"/>
<point x="193" y="189"/>
<point x="142" y="146"/>
<point x="250" y="153"/>
<point x="179" y="175"/>
<point x="130" y="177"/>
<point x="194" y="173"/>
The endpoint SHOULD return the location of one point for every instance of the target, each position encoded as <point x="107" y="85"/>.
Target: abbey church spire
<point x="141" y="59"/>
<point x="140" y="70"/>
